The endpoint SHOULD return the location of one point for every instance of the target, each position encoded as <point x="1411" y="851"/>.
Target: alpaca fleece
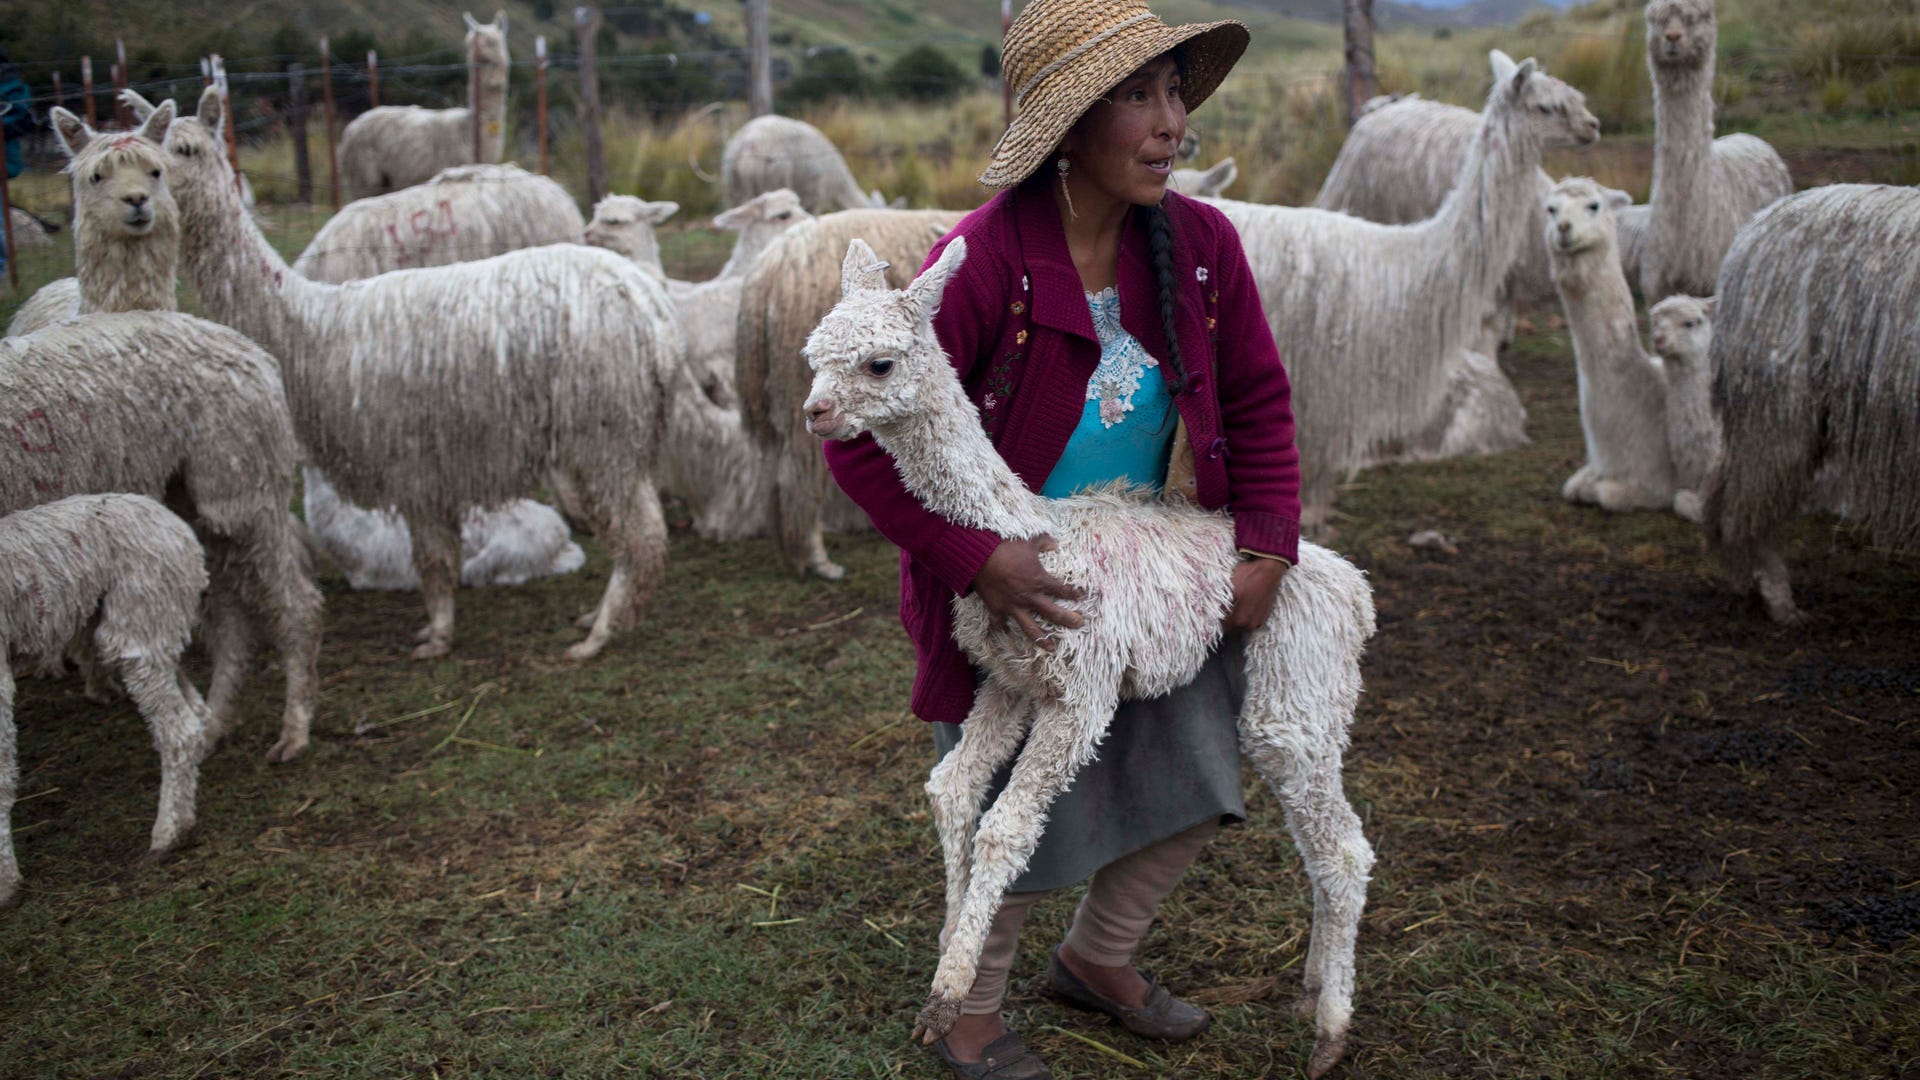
<point x="1682" y="330"/>
<point x="1816" y="362"/>
<point x="1622" y="390"/>
<point x="1158" y="578"/>
<point x="770" y="152"/>
<point x="170" y="406"/>
<point x="427" y="392"/>
<point x="126" y="574"/>
<point x="1400" y="160"/>
<point x="790" y="288"/>
<point x="1704" y="188"/>
<point x="464" y="213"/>
<point x="1377" y="321"/>
<point x="396" y="146"/>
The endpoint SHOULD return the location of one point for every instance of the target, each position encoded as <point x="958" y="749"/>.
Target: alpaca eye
<point x="783" y="215"/>
<point x="880" y="368"/>
<point x="1553" y="211"/>
<point x="155" y="173"/>
<point x="1593" y="207"/>
<point x="1691" y="323"/>
<point x="1544" y="111"/>
<point x="96" y="178"/>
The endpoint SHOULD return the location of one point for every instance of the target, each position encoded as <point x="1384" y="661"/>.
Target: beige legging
<point x="1112" y="918"/>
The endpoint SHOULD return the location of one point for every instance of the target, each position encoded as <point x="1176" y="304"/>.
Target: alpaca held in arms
<point x="1704" y="188"/>
<point x="1816" y="366"/>
<point x="1622" y="389"/>
<point x="1158" y="577"/>
<point x="396" y="146"/>
<point x="432" y="391"/>
<point x="1682" y="328"/>
<point x="124" y="220"/>
<point x="127" y="575"/>
<point x="1377" y="322"/>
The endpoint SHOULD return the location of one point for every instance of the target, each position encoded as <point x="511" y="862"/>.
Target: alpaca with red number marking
<point x="1158" y="581"/>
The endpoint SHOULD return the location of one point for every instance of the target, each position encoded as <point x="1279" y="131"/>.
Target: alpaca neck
<point x="947" y="461"/>
<point x="242" y="281"/>
<point x="753" y="240"/>
<point x="1682" y="138"/>
<point x="128" y="273"/>
<point x="1480" y="217"/>
<point x="491" y="106"/>
<point x="1599" y="303"/>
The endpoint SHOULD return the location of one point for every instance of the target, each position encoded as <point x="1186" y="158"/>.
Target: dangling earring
<point x="1063" y="165"/>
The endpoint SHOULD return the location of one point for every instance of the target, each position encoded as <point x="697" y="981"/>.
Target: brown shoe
<point x="1005" y="1058"/>
<point x="1162" y="1017"/>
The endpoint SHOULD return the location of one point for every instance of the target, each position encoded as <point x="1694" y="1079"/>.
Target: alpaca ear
<point x="1710" y="305"/>
<point x="158" y="120"/>
<point x="1503" y="66"/>
<point x="139" y="106"/>
<point x="657" y="212"/>
<point x="926" y="290"/>
<point x="472" y="23"/>
<point x="500" y="20"/>
<point x="73" y="132"/>
<point x="1524" y="72"/>
<point x="1617" y="199"/>
<point x="210" y="111"/>
<point x="1222" y="176"/>
<point x="861" y="270"/>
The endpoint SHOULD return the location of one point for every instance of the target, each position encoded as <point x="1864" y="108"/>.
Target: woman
<point x="1105" y="328"/>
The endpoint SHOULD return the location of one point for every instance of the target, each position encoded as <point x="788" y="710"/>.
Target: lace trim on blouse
<point x="1123" y="360"/>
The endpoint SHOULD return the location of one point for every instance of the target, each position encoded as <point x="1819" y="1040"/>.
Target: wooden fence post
<point x="540" y="95"/>
<point x="1360" y="83"/>
<point x="59" y="92"/>
<point x="759" y="59"/>
<point x="1006" y="88"/>
<point x="326" y="93"/>
<point x="297" y="127"/>
<point x="586" y="23"/>
<point x="373" y="79"/>
<point x="86" y="89"/>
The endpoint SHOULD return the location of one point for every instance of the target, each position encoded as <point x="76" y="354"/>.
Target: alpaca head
<point x="1556" y="112"/>
<point x="1682" y="328"/>
<point x="874" y="357"/>
<point x="197" y="162"/>
<point x="486" y="48"/>
<point x="764" y="217"/>
<point x="1680" y="33"/>
<point x="119" y="180"/>
<point x="1580" y="216"/>
<point x="624" y="225"/>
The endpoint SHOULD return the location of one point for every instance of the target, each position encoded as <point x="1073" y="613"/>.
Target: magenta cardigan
<point x="1015" y="322"/>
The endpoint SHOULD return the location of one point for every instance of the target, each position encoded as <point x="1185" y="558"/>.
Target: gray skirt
<point x="1167" y="764"/>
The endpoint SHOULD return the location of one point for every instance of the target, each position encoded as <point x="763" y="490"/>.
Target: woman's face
<point x="1123" y="145"/>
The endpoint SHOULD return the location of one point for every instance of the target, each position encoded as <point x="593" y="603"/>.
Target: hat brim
<point x="1052" y="108"/>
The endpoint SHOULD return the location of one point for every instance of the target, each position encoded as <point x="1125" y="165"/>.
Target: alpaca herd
<point x="460" y="341"/>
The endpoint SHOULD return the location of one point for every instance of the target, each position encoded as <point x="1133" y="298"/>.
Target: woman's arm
<point x="1256" y="414"/>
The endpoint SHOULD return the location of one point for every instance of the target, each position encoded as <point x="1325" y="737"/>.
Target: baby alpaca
<point x="1158" y="577"/>
<point x="1622" y="390"/>
<point x="1682" y="333"/>
<point x="128" y="574"/>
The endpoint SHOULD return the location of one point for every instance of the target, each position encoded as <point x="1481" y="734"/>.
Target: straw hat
<point x="1060" y="56"/>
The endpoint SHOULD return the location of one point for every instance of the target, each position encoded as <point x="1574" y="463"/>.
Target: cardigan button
<point x="1218" y="448"/>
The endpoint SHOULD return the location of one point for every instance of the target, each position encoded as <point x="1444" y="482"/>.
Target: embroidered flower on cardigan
<point x="1200" y="274"/>
<point x="1123" y="360"/>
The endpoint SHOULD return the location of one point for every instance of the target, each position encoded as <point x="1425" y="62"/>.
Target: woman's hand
<point x="1256" y="582"/>
<point x="1013" y="585"/>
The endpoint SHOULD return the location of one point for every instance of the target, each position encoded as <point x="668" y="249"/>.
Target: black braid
<point x="1160" y="250"/>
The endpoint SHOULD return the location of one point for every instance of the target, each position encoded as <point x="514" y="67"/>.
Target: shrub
<point x="924" y="73"/>
<point x="1834" y="94"/>
<point x="1612" y="72"/>
<point x="826" y="75"/>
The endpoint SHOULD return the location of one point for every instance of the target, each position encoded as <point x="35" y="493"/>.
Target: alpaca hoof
<point x="582" y="652"/>
<point x="1307" y="1004"/>
<point x="290" y="748"/>
<point x="432" y="650"/>
<point x="827" y="571"/>
<point x="107" y="694"/>
<point x="166" y="849"/>
<point x="938" y="1018"/>
<point x="9" y="897"/>
<point x="1327" y="1053"/>
<point x="1787" y="616"/>
<point x="586" y="620"/>
<point x="423" y="635"/>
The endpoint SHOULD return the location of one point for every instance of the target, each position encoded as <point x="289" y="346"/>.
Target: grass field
<point x="1627" y="827"/>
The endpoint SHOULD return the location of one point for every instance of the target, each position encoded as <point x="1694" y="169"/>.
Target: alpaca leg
<point x="436" y="557"/>
<point x="101" y="688"/>
<point x="637" y="534"/>
<point x="178" y="720"/>
<point x="1579" y="487"/>
<point x="9" y="786"/>
<point x="284" y="588"/>
<point x="1688" y="505"/>
<point x="798" y="497"/>
<point x="229" y="638"/>
<point x="1623" y="495"/>
<point x="1061" y="741"/>
<point x="1770" y="574"/>
<point x="958" y="784"/>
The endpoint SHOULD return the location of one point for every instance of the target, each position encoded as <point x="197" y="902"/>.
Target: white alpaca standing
<point x="770" y="152"/>
<point x="623" y="224"/>
<point x="464" y="213"/>
<point x="1816" y="365"/>
<point x="1158" y="578"/>
<point x="432" y="391"/>
<point x="790" y="288"/>
<point x="396" y="146"/>
<point x="1400" y="161"/>
<point x="174" y="407"/>
<point x="1682" y="329"/>
<point x="1199" y="183"/>
<point x="126" y="574"/>
<point x="1622" y="390"/>
<point x="1704" y="188"/>
<point x="1376" y="322"/>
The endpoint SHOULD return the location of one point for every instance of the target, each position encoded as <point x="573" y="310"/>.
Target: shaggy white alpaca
<point x="1682" y="333"/>
<point x="623" y="224"/>
<point x="1158" y="578"/>
<point x="770" y="152"/>
<point x="1398" y="164"/>
<point x="1703" y="188"/>
<point x="396" y="146"/>
<point x="789" y="289"/>
<point x="1816" y="365"/>
<point x="464" y="213"/>
<point x="126" y="226"/>
<point x="1197" y="183"/>
<point x="30" y="231"/>
<point x="127" y="575"/>
<point x="1622" y="389"/>
<point x="1376" y="322"/>
<point x="432" y="391"/>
